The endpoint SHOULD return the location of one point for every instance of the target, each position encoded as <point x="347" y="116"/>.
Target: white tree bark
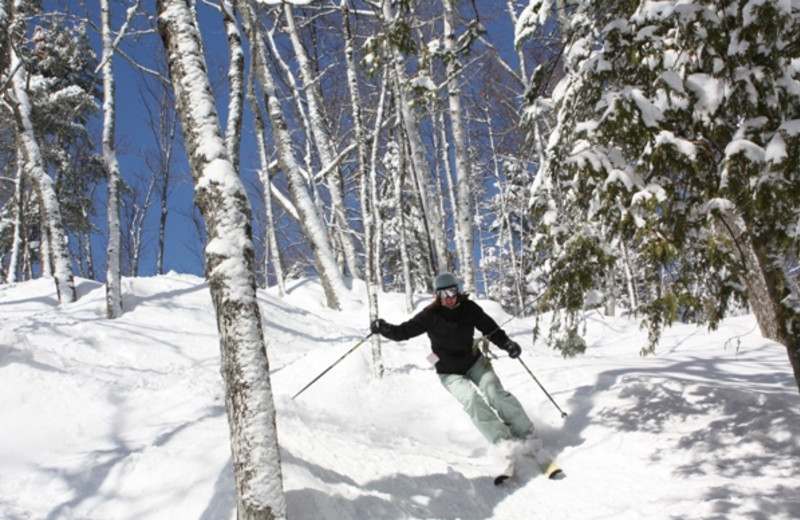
<point x="57" y="253"/>
<point x="368" y="203"/>
<point x="6" y="9"/>
<point x="313" y="227"/>
<point x="229" y="256"/>
<point x="272" y="251"/>
<point x="324" y="146"/>
<point x="421" y="171"/>
<point x="233" y="132"/>
<point x="16" y="241"/>
<point x="377" y="244"/>
<point x="113" y="281"/>
<point x="462" y="210"/>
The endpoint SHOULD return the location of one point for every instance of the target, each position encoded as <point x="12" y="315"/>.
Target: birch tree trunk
<point x="512" y="13"/>
<point x="630" y="282"/>
<point x="162" y="122"/>
<point x="368" y="202"/>
<point x="377" y="244"/>
<point x="16" y="241"/>
<point x="463" y="205"/>
<point x="57" y="253"/>
<point x="163" y="209"/>
<point x="422" y="174"/>
<point x="505" y="235"/>
<point x="405" y="258"/>
<point x="272" y="251"/>
<point x="113" y="281"/>
<point x="324" y="146"/>
<point x="45" y="260"/>
<point x="6" y="9"/>
<point x="233" y="131"/>
<point x="313" y="227"/>
<point x="229" y="259"/>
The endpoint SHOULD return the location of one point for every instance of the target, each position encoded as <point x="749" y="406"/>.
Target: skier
<point x="450" y="321"/>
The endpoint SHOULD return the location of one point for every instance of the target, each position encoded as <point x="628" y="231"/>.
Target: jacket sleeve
<point x="408" y="329"/>
<point x="488" y="327"/>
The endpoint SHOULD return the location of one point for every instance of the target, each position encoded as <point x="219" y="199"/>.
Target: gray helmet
<point x="443" y="281"/>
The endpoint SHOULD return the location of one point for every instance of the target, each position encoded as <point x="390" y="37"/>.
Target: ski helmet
<point x="443" y="281"/>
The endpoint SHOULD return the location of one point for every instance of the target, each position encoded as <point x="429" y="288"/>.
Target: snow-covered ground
<point x="125" y="419"/>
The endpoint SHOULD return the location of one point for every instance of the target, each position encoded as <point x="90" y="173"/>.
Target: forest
<point x="637" y="157"/>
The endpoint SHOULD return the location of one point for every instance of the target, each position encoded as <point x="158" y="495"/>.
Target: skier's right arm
<point x="406" y="330"/>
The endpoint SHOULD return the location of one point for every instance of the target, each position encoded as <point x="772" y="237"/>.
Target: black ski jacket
<point x="451" y="333"/>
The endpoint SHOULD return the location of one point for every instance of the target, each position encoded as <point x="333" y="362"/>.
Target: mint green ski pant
<point x="497" y="414"/>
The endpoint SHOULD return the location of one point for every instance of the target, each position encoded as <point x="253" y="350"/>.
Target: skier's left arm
<point x="490" y="329"/>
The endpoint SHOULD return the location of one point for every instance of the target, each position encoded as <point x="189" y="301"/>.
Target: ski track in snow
<point x="125" y="419"/>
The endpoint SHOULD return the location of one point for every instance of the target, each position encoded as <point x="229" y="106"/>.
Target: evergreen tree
<point x="62" y="93"/>
<point x="677" y="136"/>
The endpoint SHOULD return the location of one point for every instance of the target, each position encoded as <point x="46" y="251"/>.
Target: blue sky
<point x="183" y="251"/>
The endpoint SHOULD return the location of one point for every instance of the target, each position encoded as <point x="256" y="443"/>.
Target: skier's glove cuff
<point x="513" y="349"/>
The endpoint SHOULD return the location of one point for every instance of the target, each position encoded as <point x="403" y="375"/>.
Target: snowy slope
<point x="125" y="419"/>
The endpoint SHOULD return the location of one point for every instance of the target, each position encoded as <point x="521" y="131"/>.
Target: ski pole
<point x="563" y="413"/>
<point x="334" y="364"/>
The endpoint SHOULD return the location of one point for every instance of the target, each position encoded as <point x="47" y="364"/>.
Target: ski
<point x="551" y="470"/>
<point x="507" y="473"/>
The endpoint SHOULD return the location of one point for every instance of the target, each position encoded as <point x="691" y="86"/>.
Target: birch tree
<point x="233" y="132"/>
<point x="57" y="255"/>
<point x="16" y="240"/>
<point x="230" y="270"/>
<point x="313" y="227"/>
<point x="463" y="208"/>
<point x="366" y="186"/>
<point x="396" y="32"/>
<point x="272" y="253"/>
<point x="113" y="287"/>
<point x="162" y="123"/>
<point x="324" y="145"/>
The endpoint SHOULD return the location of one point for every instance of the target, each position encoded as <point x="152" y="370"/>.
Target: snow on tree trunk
<point x="272" y="252"/>
<point x="57" y="253"/>
<point x="397" y="168"/>
<point x="113" y="282"/>
<point x="463" y="205"/>
<point x="233" y="132"/>
<point x="336" y="293"/>
<point x="5" y="37"/>
<point x="324" y="146"/>
<point x="230" y="259"/>
<point x="422" y="175"/>
<point x="368" y="202"/>
<point x="377" y="242"/>
<point x="16" y="241"/>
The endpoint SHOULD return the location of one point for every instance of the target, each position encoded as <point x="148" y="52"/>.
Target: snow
<point x="125" y="418"/>
<point x="751" y="150"/>
<point x="650" y="114"/>
<point x="684" y="146"/>
<point x="776" y="150"/>
<point x="709" y="92"/>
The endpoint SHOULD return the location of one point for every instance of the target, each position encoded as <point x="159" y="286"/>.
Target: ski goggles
<point x="447" y="292"/>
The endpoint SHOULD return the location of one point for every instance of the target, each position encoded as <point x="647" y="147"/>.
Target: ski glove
<point x="513" y="349"/>
<point x="378" y="326"/>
